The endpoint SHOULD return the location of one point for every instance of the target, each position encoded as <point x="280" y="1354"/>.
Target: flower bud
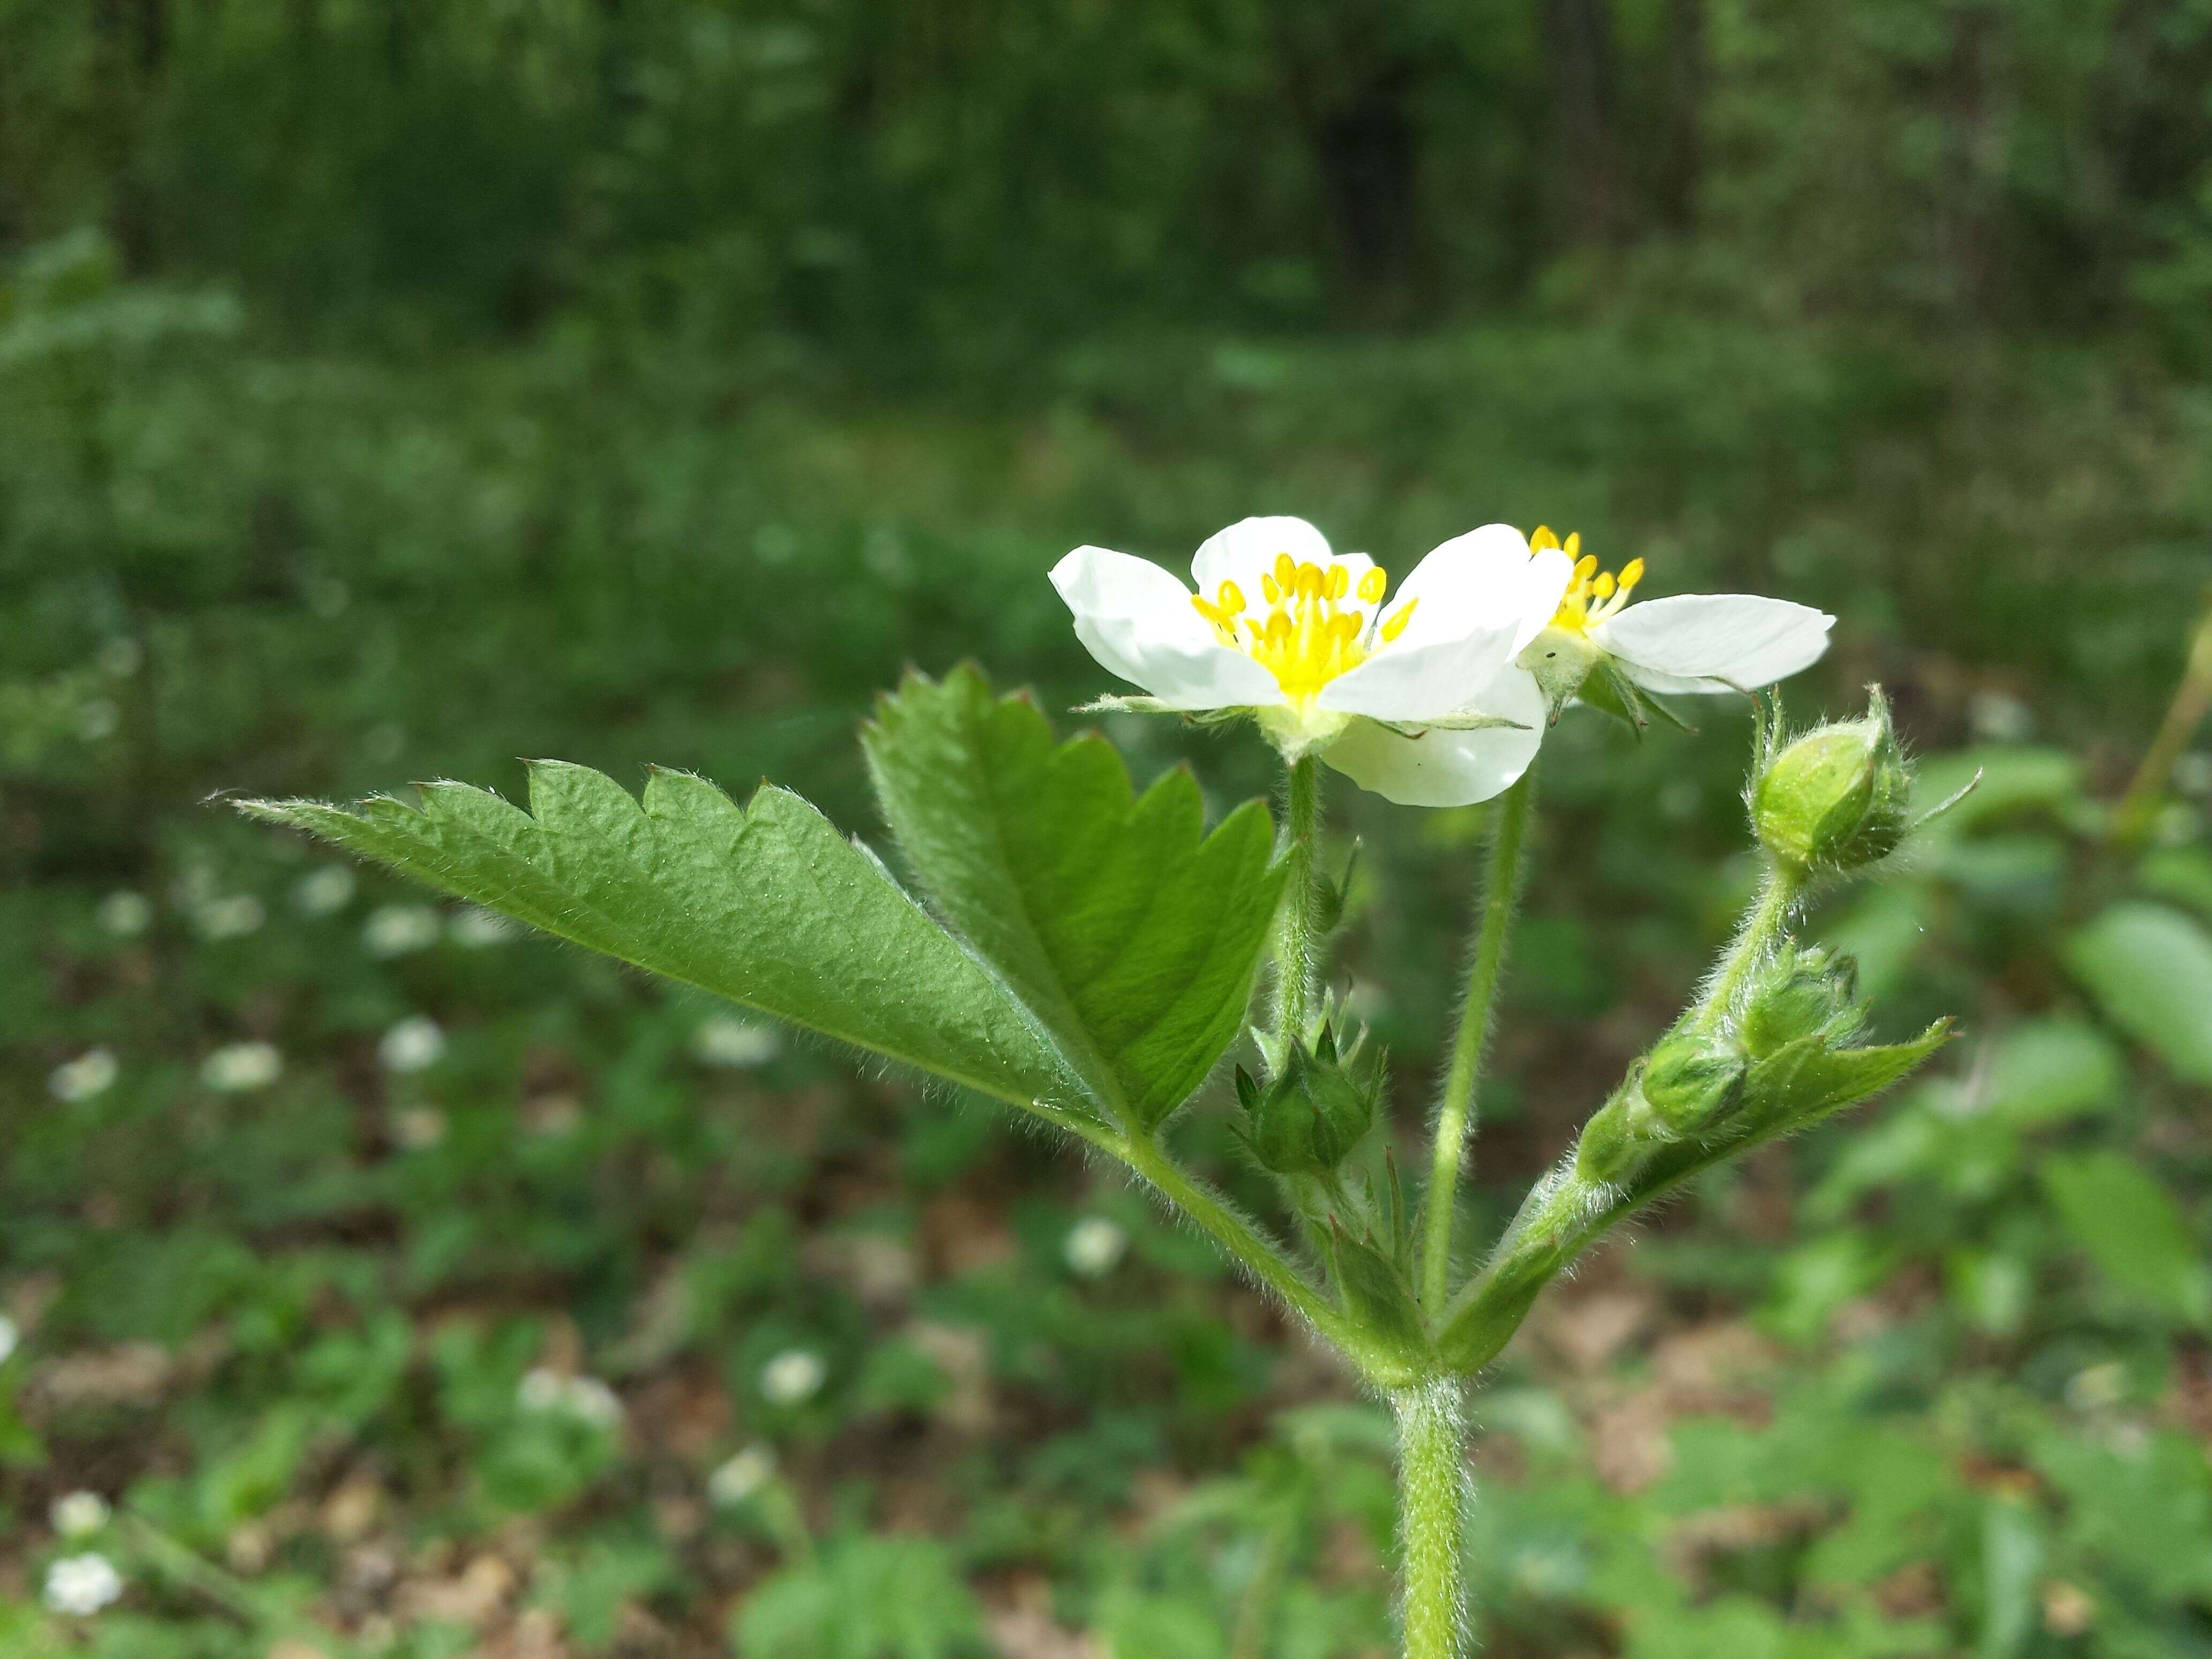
<point x="1308" y="1119"/>
<point x="1610" y="1150"/>
<point x="1837" y="798"/>
<point x="1692" y="1082"/>
<point x="1800" y="994"/>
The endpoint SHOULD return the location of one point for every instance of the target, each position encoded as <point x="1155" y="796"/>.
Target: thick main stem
<point x="1298" y="935"/>
<point x="1432" y="1492"/>
<point x="1455" y="1107"/>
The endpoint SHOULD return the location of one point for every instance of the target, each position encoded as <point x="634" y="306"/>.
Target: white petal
<point x="1246" y="551"/>
<point x="1138" y="620"/>
<point x="1447" y="768"/>
<point x="1714" y="641"/>
<point x="1409" y="681"/>
<point x="1470" y="582"/>
<point x="1543" y="585"/>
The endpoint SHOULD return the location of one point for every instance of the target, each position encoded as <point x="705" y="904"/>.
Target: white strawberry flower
<point x="1412" y="697"/>
<point x="1687" y="643"/>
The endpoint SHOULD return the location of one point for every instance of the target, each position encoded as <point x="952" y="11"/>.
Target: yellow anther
<point x="1542" y="539"/>
<point x="1271" y="590"/>
<point x="1309" y="581"/>
<point x="1286" y="572"/>
<point x="1372" y="584"/>
<point x="1339" y="582"/>
<point x="1231" y="598"/>
<point x="1574" y="544"/>
<point x="1631" y="574"/>
<point x="1399" y="619"/>
<point x="1278" y="629"/>
<point x="1603" y="587"/>
<point x="1585" y="567"/>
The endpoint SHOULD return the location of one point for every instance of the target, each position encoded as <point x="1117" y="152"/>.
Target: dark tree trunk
<point x="1367" y="153"/>
<point x="1578" y="46"/>
<point x="1683" y="166"/>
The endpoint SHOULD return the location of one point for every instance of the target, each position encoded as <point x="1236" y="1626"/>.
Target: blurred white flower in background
<point x="2000" y="717"/>
<point x="77" y="1513"/>
<point x="394" y="930"/>
<point x="725" y="1040"/>
<point x="419" y="1127"/>
<point x="476" y="928"/>
<point x="92" y="1073"/>
<point x="231" y="917"/>
<point x="126" y="915"/>
<point x="238" y="1068"/>
<point x="587" y="1399"/>
<point x="324" y="891"/>
<point x="80" y="1585"/>
<point x="792" y="1377"/>
<point x="415" y="1044"/>
<point x="740" y="1476"/>
<point x="1095" y="1246"/>
<point x="10" y="1338"/>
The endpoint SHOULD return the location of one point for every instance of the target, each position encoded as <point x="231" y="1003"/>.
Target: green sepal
<point x="1612" y="693"/>
<point x="1129" y="932"/>
<point x="1375" y="1293"/>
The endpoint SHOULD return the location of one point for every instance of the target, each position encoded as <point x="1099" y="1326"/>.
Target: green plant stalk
<point x="2192" y="702"/>
<point x="1298" y="935"/>
<point x="1754" y="943"/>
<point x="1455" y="1107"/>
<point x="1432" y="1491"/>
<point x="1242" y="1241"/>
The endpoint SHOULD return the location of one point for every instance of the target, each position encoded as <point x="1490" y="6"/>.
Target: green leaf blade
<point x="767" y="905"/>
<point x="1131" y="934"/>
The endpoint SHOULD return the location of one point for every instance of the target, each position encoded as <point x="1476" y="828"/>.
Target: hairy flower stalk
<point x="1058" y="942"/>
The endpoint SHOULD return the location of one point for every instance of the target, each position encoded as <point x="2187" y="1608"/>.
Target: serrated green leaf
<point x="2150" y="969"/>
<point x="2130" y="1226"/>
<point x="767" y="905"/>
<point x="1131" y="933"/>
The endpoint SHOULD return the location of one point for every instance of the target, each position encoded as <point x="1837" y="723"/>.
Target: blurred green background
<point x="389" y="389"/>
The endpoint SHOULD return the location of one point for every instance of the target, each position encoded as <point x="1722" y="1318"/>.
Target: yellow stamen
<point x="1592" y="595"/>
<point x="1542" y="539"/>
<point x="1313" y="628"/>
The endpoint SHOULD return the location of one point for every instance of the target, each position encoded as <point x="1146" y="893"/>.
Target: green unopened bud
<point x="1801" y="994"/>
<point x="1837" y="798"/>
<point x="1307" y="1119"/>
<point x="1611" y="1149"/>
<point x="1692" y="1082"/>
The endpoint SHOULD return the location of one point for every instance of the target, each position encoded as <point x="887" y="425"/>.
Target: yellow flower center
<point x="1592" y="594"/>
<point x="1309" y="635"/>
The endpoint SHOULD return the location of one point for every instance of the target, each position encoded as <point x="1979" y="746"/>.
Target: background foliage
<point x="389" y="390"/>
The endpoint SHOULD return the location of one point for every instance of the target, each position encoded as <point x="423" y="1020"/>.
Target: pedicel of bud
<point x="1802" y="993"/>
<point x="1836" y="798"/>
<point x="1307" y="1119"/>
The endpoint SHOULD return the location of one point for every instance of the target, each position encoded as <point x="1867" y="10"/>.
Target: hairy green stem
<point x="1754" y="943"/>
<point x="1455" y="1106"/>
<point x="1298" y="931"/>
<point x="1432" y="1492"/>
<point x="1239" y="1237"/>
